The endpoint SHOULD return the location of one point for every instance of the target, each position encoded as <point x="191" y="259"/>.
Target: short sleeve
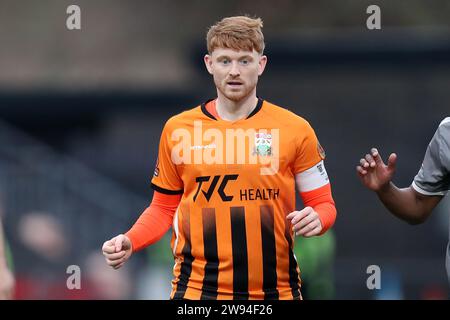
<point x="433" y="177"/>
<point x="165" y="177"/>
<point x="309" y="152"/>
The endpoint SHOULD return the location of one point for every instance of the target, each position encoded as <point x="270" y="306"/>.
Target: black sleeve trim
<point x="166" y="191"/>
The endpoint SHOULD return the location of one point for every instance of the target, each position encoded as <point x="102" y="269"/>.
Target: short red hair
<point x="238" y="33"/>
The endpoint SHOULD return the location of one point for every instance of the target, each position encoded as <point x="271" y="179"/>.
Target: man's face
<point x="235" y="72"/>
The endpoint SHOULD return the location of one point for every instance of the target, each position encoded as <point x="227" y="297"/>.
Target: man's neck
<point x="235" y="110"/>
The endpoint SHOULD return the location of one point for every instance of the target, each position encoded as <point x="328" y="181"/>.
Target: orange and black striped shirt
<point x="231" y="238"/>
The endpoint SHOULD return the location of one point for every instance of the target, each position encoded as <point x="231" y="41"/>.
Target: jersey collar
<point x="255" y="110"/>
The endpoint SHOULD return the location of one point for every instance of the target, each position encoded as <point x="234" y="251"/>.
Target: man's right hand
<point x="117" y="250"/>
<point x="372" y="171"/>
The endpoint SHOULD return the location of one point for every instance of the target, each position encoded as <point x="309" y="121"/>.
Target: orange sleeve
<point x="155" y="221"/>
<point x="321" y="200"/>
<point x="308" y="149"/>
<point x="166" y="178"/>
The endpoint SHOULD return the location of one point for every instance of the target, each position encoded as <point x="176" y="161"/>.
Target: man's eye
<point x="245" y="62"/>
<point x="225" y="62"/>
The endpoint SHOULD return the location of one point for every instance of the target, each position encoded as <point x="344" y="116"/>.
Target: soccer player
<point x="415" y="203"/>
<point x="225" y="182"/>
<point x="6" y="276"/>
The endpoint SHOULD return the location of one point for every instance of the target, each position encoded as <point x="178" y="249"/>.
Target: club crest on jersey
<point x="263" y="144"/>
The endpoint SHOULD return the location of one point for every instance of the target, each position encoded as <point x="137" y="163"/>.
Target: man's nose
<point x="234" y="71"/>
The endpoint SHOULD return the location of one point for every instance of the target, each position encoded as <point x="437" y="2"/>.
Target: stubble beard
<point x="236" y="96"/>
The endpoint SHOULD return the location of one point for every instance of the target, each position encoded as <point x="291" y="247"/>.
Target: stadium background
<point x="81" y="114"/>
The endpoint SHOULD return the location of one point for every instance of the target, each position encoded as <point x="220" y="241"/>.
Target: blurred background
<point x="81" y="113"/>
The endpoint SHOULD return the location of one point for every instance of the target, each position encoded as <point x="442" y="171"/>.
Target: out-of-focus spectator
<point x="316" y="255"/>
<point x="104" y="282"/>
<point x="44" y="245"/>
<point x="154" y="281"/>
<point x="43" y="234"/>
<point x="6" y="276"/>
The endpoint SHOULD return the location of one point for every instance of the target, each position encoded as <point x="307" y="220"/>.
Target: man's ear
<point x="208" y="63"/>
<point x="262" y="64"/>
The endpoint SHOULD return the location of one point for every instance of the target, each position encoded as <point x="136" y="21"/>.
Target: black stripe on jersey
<point x="239" y="248"/>
<point x="293" y="274"/>
<point x="269" y="253"/>
<point x="210" y="285"/>
<point x="166" y="191"/>
<point x="257" y="108"/>
<point x="186" y="265"/>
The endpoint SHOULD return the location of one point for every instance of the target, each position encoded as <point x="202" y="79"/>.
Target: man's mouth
<point x="234" y="83"/>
